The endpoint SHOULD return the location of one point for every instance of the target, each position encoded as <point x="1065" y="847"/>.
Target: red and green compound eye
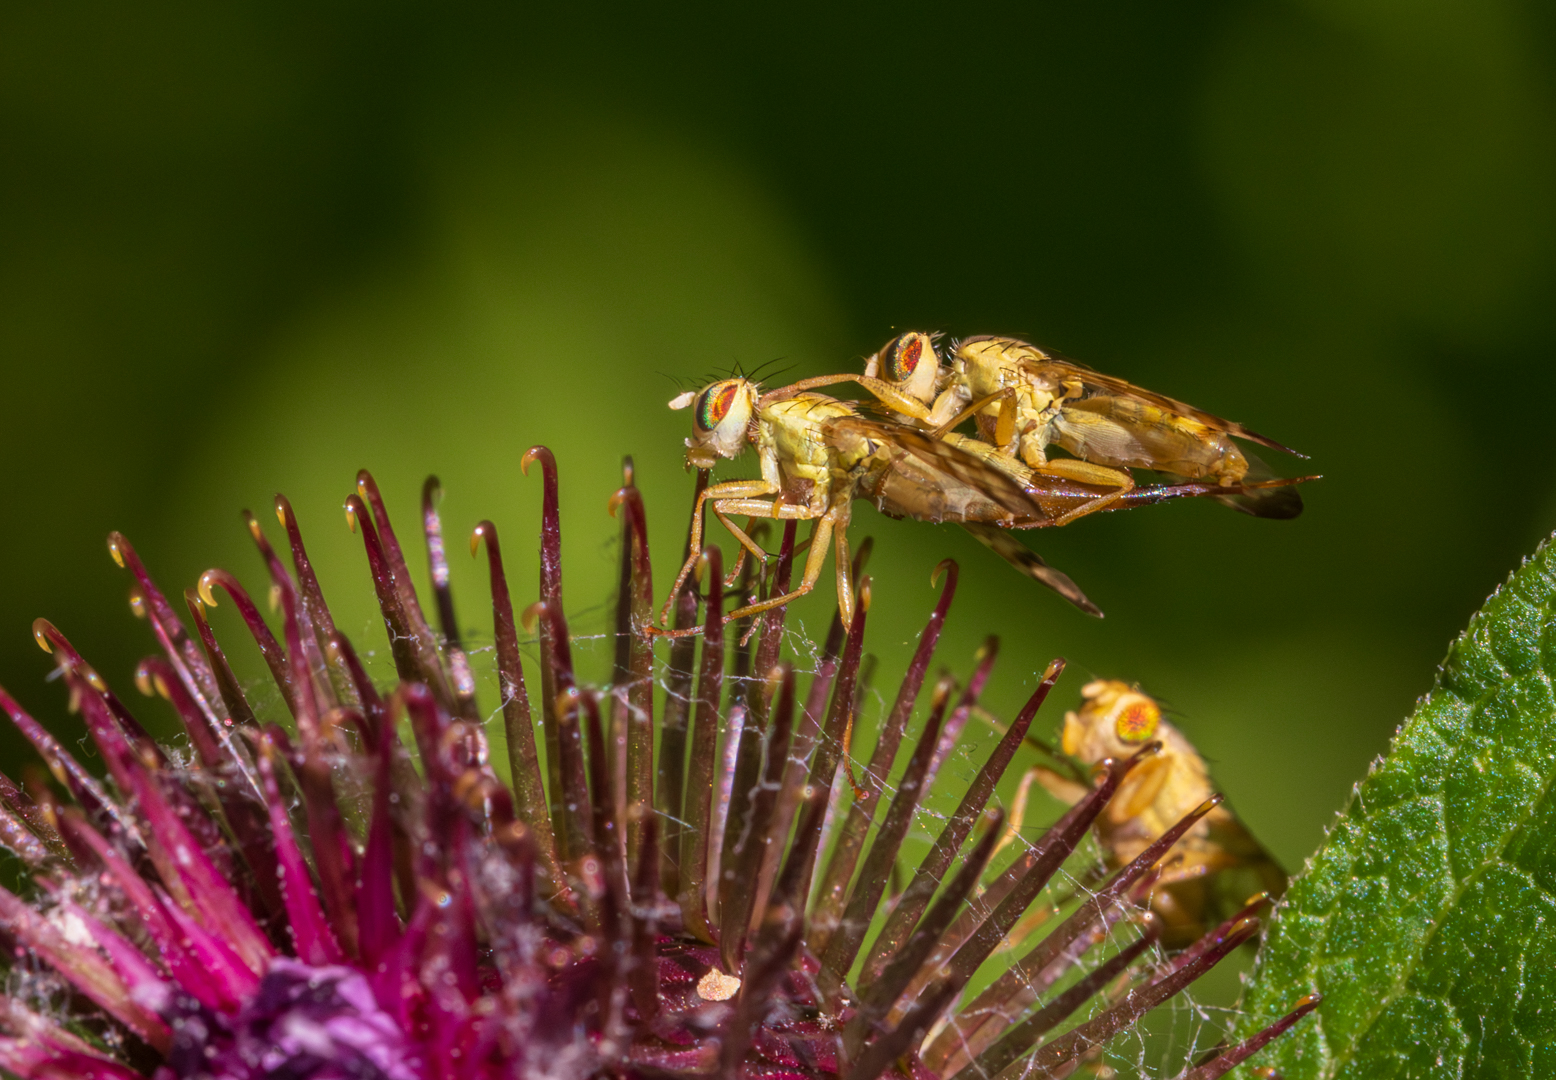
<point x="714" y="404"/>
<point x="906" y="352"/>
<point x="1137" y="722"/>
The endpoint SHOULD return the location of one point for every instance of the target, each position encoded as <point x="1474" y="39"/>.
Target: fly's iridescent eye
<point x="905" y="354"/>
<point x="714" y="404"/>
<point x="1137" y="722"/>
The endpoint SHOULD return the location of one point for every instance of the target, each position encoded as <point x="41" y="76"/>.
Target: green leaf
<point x="1428" y="916"/>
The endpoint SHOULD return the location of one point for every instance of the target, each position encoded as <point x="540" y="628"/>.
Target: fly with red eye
<point x="905" y="353"/>
<point x="817" y="455"/>
<point x="1216" y="865"/>
<point x="1137" y="721"/>
<point x="713" y="404"/>
<point x="1025" y="400"/>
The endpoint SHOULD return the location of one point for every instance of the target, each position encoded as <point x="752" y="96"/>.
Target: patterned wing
<point x="1031" y="564"/>
<point x="1056" y="370"/>
<point x="943" y="459"/>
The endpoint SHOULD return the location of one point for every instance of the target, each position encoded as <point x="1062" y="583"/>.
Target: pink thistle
<point x="321" y="901"/>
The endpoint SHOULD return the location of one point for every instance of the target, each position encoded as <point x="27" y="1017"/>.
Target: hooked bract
<point x="333" y="879"/>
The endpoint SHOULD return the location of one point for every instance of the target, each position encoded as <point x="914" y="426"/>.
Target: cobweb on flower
<point x="1161" y="1046"/>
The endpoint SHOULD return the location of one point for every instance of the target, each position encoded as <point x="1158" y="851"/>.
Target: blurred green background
<point x="253" y="247"/>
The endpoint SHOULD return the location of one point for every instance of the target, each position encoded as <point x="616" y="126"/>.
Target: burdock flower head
<point x="691" y="879"/>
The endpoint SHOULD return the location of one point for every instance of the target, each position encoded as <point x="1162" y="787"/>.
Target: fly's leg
<point x="730" y="490"/>
<point x="1139" y="791"/>
<point x="888" y="394"/>
<point x="1007" y="395"/>
<point x="756" y="529"/>
<point x="819" y="542"/>
<point x="1005" y="425"/>
<point x="740" y="560"/>
<point x="841" y="563"/>
<point x="1033" y="438"/>
<point x="754" y="509"/>
<point x="768" y="572"/>
<point x="1087" y="473"/>
<point x="810" y="543"/>
<point x="990" y="455"/>
<point x="747" y="545"/>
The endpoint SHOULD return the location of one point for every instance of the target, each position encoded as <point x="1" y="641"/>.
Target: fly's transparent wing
<point x="1057" y="371"/>
<point x="1276" y="503"/>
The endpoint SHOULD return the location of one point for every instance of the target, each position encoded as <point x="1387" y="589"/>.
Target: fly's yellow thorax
<point x="793" y="431"/>
<point x="984" y="368"/>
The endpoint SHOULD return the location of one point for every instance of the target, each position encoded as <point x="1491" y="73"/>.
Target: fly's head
<point x="1115" y="720"/>
<point x="721" y="416"/>
<point x="910" y="363"/>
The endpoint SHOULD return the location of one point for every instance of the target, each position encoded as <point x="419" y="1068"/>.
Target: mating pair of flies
<point x="818" y="454"/>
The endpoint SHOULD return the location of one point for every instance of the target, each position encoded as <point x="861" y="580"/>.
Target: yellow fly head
<point x="910" y="363"/>
<point x="1114" y="721"/>
<point x="721" y="414"/>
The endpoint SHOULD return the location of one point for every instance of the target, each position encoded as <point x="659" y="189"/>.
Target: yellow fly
<point x="1217" y="864"/>
<point x="1025" y="400"/>
<point x="817" y="455"/>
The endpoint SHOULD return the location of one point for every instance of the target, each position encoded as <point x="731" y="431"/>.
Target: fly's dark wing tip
<point x="1272" y="504"/>
<point x="1031" y="564"/>
<point x="1061" y="584"/>
<point x="1072" y="592"/>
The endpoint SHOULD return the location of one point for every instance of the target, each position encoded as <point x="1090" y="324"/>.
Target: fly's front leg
<point x="769" y="572"/>
<point x="820" y="539"/>
<point x="750" y="509"/>
<point x="1087" y="473"/>
<point x="1007" y="395"/>
<point x="729" y="491"/>
<point x="754" y="528"/>
<point x="1005" y="425"/>
<point x="742" y="537"/>
<point x="889" y="395"/>
<point x="765" y="509"/>
<point x="1140" y="789"/>
<point x="740" y="562"/>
